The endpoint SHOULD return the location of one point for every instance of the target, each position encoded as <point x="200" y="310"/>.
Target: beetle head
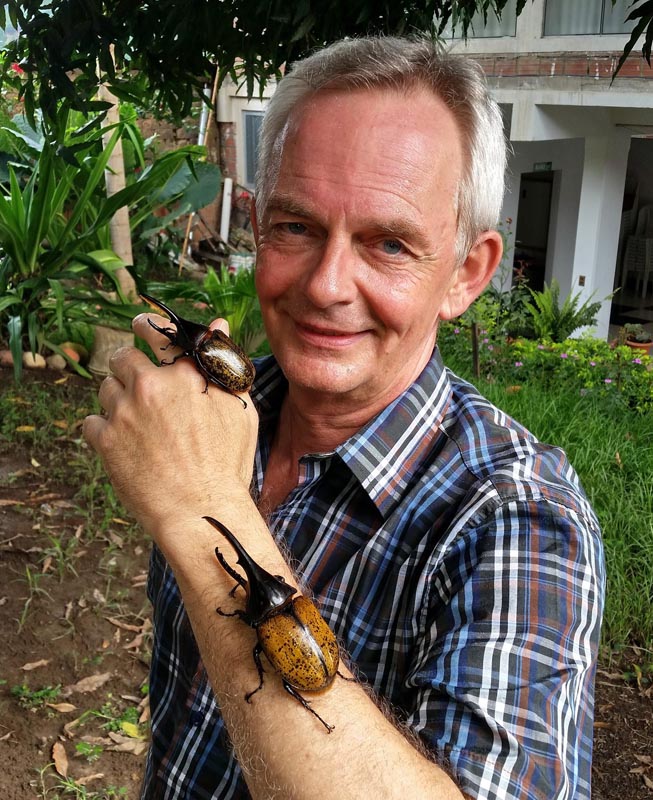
<point x="266" y="593"/>
<point x="189" y="334"/>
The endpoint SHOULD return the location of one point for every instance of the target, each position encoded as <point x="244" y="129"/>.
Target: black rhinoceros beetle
<point x="216" y="356"/>
<point x="290" y="630"/>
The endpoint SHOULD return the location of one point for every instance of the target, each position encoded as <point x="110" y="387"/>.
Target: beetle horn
<point x="162" y="307"/>
<point x="266" y="593"/>
<point x="189" y="333"/>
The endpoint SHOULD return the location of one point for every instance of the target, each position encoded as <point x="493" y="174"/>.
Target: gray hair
<point x="402" y="64"/>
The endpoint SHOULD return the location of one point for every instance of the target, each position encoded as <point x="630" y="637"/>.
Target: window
<point x="495" y="26"/>
<point x="586" y="16"/>
<point x="252" y="127"/>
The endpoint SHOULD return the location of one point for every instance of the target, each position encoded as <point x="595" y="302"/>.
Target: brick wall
<point x="590" y="65"/>
<point x="170" y="136"/>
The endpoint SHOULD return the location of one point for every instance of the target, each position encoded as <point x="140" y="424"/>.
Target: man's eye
<point x="296" y="228"/>
<point x="392" y="247"/>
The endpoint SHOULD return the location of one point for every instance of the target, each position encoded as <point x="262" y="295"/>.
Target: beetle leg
<point x="208" y="377"/>
<point x="256" y="652"/>
<point x="231" y="571"/>
<point x="170" y="333"/>
<point x="237" y="613"/>
<point x="306" y="704"/>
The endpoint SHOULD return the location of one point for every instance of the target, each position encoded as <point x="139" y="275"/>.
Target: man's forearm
<point x="283" y="750"/>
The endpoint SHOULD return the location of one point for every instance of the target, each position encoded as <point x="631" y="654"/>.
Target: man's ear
<point x="473" y="275"/>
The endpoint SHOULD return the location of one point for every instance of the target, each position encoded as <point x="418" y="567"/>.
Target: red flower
<point x="16" y="67"/>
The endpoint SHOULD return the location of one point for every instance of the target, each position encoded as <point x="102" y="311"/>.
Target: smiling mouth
<point x="324" y="336"/>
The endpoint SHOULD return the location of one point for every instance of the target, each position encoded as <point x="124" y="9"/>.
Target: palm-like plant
<point x="54" y="255"/>
<point x="555" y="322"/>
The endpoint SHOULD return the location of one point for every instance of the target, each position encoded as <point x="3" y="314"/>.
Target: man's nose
<point x="331" y="278"/>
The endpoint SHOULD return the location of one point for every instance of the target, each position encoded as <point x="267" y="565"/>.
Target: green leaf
<point x="15" y="330"/>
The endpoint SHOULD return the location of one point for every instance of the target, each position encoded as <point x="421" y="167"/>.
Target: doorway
<point x="532" y="233"/>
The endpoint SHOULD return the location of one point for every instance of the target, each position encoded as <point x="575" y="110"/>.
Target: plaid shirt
<point x="461" y="565"/>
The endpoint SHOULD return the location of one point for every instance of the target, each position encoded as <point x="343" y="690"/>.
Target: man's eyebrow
<point x="287" y="205"/>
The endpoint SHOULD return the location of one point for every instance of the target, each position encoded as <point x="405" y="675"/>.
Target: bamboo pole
<point x="201" y="139"/>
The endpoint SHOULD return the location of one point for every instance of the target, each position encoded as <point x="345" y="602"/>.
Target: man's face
<point x="356" y="247"/>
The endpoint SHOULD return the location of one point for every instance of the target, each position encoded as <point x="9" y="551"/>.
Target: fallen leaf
<point x="647" y="782"/>
<point x="62" y="708"/>
<point x="47" y="564"/>
<point x="6" y="736"/>
<point x="69" y="727"/>
<point x="89" y="684"/>
<point x="123" y="744"/>
<point x="618" y="460"/>
<point x="86" y="780"/>
<point x="135" y="643"/>
<point x="34" y="462"/>
<point x="131" y="729"/>
<point x="9" y="502"/>
<point x="59" y="381"/>
<point x="115" y="539"/>
<point x="124" y="625"/>
<point x="602" y="725"/>
<point x="3" y="600"/>
<point x="645" y="759"/>
<point x="99" y="597"/>
<point x="103" y="740"/>
<point x="60" y="759"/>
<point x="35" y="664"/>
<point x="25" y="428"/>
<point x="61" y="424"/>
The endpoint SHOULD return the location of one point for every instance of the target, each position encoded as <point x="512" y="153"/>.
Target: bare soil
<point x="75" y="628"/>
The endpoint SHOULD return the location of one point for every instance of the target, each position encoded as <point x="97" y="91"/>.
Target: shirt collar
<point x="385" y="453"/>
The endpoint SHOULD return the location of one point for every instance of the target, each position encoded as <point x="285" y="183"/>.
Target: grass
<point x="611" y="448"/>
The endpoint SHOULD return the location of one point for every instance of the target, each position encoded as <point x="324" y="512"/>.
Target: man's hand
<point x="172" y="451"/>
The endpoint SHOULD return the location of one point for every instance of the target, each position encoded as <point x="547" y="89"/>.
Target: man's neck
<point x="303" y="428"/>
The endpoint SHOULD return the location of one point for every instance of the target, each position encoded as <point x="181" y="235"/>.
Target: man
<point x="455" y="557"/>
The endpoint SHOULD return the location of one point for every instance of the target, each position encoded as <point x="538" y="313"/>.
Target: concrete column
<point x="599" y="217"/>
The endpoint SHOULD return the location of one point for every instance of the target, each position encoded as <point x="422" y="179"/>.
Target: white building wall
<point x="581" y="122"/>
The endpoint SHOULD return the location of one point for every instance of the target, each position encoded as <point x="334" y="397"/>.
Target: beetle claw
<point x="292" y="691"/>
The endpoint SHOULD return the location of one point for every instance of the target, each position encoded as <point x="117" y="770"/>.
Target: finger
<point x="110" y="389"/>
<point x="220" y="324"/>
<point x="127" y="362"/>
<point x="92" y="428"/>
<point x="142" y="325"/>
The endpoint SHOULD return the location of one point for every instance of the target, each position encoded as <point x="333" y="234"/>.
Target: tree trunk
<point x="121" y="242"/>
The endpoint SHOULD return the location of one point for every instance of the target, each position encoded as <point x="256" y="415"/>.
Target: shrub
<point x="557" y="323"/>
<point x="584" y="365"/>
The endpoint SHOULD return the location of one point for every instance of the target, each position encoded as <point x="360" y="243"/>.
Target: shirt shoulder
<point x="505" y="462"/>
